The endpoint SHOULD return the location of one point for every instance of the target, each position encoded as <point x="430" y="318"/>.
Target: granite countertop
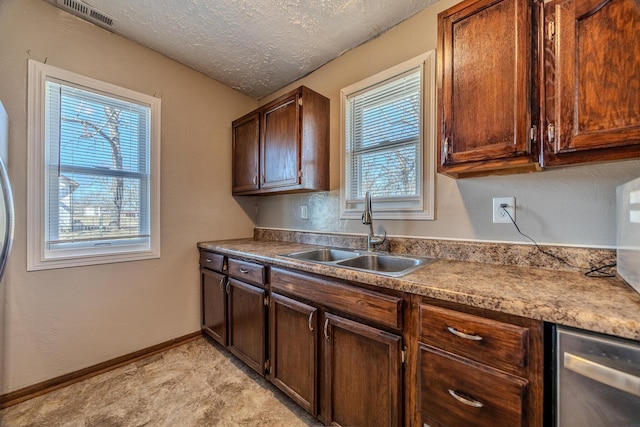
<point x="605" y="305"/>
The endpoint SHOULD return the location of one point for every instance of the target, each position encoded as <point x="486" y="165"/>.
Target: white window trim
<point x="37" y="258"/>
<point x="427" y="64"/>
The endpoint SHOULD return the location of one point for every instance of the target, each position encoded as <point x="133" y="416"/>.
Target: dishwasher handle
<point x="604" y="374"/>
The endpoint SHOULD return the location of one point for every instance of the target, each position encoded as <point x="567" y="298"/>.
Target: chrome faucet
<point x="372" y="239"/>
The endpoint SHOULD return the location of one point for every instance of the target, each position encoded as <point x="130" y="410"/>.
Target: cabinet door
<point x="214" y="305"/>
<point x="245" y="150"/>
<point x="247" y="323"/>
<point x="280" y="144"/>
<point x="485" y="82"/>
<point x="592" y="80"/>
<point x="293" y="356"/>
<point x="362" y="369"/>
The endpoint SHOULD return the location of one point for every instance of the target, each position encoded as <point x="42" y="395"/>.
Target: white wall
<point x="572" y="206"/>
<point x="59" y="321"/>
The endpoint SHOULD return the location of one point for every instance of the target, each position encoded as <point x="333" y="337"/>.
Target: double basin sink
<point x="372" y="262"/>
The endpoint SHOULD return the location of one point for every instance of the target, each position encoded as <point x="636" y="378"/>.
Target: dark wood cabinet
<point x="551" y="84"/>
<point x="245" y="148"/>
<point x="363" y="374"/>
<point x="283" y="147"/>
<point x="214" y="297"/>
<point x="247" y="323"/>
<point x="234" y="306"/>
<point x="293" y="356"/>
<point x="488" y="109"/>
<point x="458" y="392"/>
<point x="280" y="154"/>
<point x="214" y="305"/>
<point x="478" y="367"/>
<point x="592" y="83"/>
<point x="359" y="352"/>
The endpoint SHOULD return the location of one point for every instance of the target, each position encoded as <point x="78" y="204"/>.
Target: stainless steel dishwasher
<point x="597" y="380"/>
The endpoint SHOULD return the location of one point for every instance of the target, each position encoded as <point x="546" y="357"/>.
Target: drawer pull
<point x="311" y="320"/>
<point x="463" y="335"/>
<point x="208" y="260"/>
<point x="244" y="271"/>
<point x="326" y="329"/>
<point x="466" y="400"/>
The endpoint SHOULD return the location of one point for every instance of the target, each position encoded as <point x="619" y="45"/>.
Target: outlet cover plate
<point x="499" y="215"/>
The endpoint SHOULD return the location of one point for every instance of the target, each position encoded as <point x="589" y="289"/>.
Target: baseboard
<point x="35" y="390"/>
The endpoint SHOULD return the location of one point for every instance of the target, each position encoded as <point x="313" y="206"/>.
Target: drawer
<point x="246" y="271"/>
<point x="382" y="309"/>
<point x="457" y="392"/>
<point x="478" y="338"/>
<point x="211" y="260"/>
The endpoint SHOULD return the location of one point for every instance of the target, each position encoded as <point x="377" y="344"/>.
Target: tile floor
<point x="196" y="384"/>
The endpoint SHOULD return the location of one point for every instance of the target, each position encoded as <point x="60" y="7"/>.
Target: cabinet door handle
<point x="311" y="320"/>
<point x="228" y="289"/>
<point x="463" y="335"/>
<point x="222" y="284"/>
<point x="326" y="329"/>
<point x="254" y="181"/>
<point x="466" y="400"/>
<point x="244" y="271"/>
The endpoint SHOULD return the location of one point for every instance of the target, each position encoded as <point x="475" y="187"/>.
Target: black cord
<point x="593" y="272"/>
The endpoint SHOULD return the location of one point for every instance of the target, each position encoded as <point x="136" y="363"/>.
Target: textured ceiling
<point x="254" y="46"/>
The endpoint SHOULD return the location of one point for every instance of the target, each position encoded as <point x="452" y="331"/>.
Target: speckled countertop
<point x="606" y="305"/>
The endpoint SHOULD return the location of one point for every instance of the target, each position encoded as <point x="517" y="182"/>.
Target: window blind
<point x="383" y="139"/>
<point x="97" y="168"/>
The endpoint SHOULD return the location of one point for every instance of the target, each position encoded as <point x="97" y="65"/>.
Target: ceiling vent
<point x="86" y="12"/>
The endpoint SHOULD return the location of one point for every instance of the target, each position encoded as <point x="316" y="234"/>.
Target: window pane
<point x="87" y="209"/>
<point x="388" y="173"/>
<point x="97" y="177"/>
<point x="383" y="138"/>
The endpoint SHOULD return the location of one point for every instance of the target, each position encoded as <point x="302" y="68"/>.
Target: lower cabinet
<point x="459" y="393"/>
<point x="334" y="349"/>
<point x="247" y="323"/>
<point x="214" y="305"/>
<point x="338" y="349"/>
<point x="294" y="343"/>
<point x="234" y="298"/>
<point x="477" y="367"/>
<point x="363" y="374"/>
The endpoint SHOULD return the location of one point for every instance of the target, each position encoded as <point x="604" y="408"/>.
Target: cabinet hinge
<point x="551" y="132"/>
<point x="551" y="29"/>
<point x="267" y="365"/>
<point x="300" y="102"/>
<point x="533" y="134"/>
<point x="266" y="300"/>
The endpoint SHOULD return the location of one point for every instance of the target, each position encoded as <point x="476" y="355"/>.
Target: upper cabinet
<point x="283" y="147"/>
<point x="592" y="69"/>
<point x="487" y="112"/>
<point x="524" y="86"/>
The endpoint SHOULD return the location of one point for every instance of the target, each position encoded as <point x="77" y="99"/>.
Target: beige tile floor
<point x="196" y="384"/>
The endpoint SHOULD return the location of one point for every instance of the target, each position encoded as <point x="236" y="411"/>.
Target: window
<point x="93" y="192"/>
<point x="387" y="142"/>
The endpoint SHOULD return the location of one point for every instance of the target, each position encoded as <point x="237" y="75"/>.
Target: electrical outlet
<point x="304" y="212"/>
<point x="499" y="214"/>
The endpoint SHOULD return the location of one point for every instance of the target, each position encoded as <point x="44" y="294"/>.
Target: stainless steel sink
<point x="372" y="262"/>
<point x="381" y="263"/>
<point x="324" y="255"/>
